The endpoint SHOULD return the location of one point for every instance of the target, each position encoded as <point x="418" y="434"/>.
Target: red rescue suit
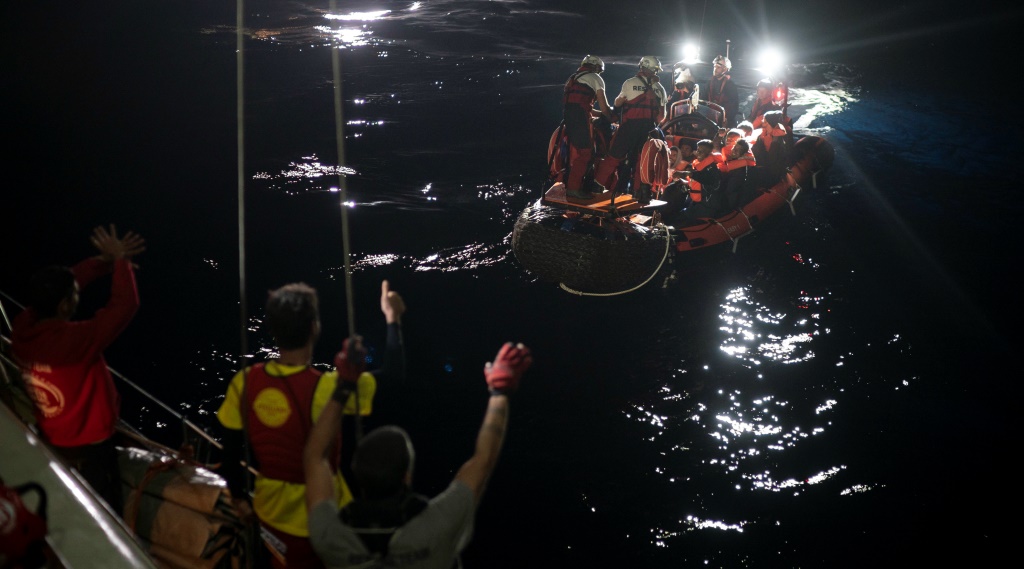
<point x="639" y="116"/>
<point x="578" y="100"/>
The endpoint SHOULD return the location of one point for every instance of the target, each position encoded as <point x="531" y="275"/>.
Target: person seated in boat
<point x="581" y="91"/>
<point x="272" y="406"/>
<point x="78" y="406"/>
<point x="389" y="525"/>
<point x="725" y="144"/>
<point x="748" y="130"/>
<point x="763" y="103"/>
<point x="642" y="101"/>
<point x="722" y="90"/>
<point x="771" y="150"/>
<point x="738" y="183"/>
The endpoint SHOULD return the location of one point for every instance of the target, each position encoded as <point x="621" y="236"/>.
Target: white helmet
<point x="650" y="63"/>
<point x="593" y="61"/>
<point x="724" y="61"/>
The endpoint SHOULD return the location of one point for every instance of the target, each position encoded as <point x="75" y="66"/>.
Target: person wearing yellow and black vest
<point x="272" y="407"/>
<point x="642" y="102"/>
<point x="582" y="90"/>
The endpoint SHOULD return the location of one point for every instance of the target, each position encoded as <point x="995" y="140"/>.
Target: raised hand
<point x="111" y="248"/>
<point x="504" y="372"/>
<point x="391" y="303"/>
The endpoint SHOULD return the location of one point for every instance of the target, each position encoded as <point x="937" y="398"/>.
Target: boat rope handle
<point x="668" y="243"/>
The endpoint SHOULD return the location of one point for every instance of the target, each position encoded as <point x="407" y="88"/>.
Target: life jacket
<point x="759" y="109"/>
<point x="376" y="521"/>
<point x="746" y="161"/>
<point x="279" y="417"/>
<point x="769" y="134"/>
<point x="652" y="167"/>
<point x="576" y="93"/>
<point x="560" y="154"/>
<point x="644" y="107"/>
<point x="717" y="97"/>
<point x="696" y="190"/>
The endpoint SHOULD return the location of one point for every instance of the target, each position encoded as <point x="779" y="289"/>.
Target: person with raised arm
<point x="272" y="406"/>
<point x="388" y="524"/>
<point x="77" y="404"/>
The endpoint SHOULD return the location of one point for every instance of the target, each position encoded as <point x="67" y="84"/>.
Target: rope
<point x="339" y="136"/>
<point x="668" y="242"/>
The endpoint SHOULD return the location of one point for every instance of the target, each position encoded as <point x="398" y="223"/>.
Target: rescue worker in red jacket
<point x="581" y="91"/>
<point x="763" y="103"/>
<point x="642" y="102"/>
<point x="722" y="90"/>
<point x="77" y="405"/>
<point x="272" y="406"/>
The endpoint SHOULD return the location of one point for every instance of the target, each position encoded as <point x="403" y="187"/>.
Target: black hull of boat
<point x="588" y="255"/>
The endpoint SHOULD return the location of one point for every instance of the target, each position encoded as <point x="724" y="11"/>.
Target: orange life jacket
<point x="696" y="193"/>
<point x="747" y="160"/>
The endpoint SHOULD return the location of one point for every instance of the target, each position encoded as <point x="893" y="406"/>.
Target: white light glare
<point x="691" y="53"/>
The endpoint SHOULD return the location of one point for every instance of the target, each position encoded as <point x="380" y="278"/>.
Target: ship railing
<point x="197" y="445"/>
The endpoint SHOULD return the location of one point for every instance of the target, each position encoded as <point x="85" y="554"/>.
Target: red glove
<point x="508" y="366"/>
<point x="350" y="363"/>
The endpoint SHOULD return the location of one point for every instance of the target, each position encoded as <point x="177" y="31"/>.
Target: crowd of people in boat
<point x="284" y="410"/>
<point x="709" y="176"/>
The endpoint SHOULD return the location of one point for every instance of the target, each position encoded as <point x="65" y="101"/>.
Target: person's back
<point x="78" y="406"/>
<point x="270" y="406"/>
<point x="389" y="525"/>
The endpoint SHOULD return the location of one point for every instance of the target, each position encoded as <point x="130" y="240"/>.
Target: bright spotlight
<point x="691" y="53"/>
<point x="770" y="61"/>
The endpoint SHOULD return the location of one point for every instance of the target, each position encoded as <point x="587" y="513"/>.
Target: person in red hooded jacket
<point x="62" y="360"/>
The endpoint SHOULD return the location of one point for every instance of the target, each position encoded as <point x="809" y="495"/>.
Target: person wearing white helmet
<point x="722" y="91"/>
<point x="642" y="102"/>
<point x="582" y="90"/>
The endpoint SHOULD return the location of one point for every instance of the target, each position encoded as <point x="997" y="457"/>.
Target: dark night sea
<point x="840" y="392"/>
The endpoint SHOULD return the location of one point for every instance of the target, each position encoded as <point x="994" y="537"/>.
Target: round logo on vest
<point x="271" y="407"/>
<point x="49" y="399"/>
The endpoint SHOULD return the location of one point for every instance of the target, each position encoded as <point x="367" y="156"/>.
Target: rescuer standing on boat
<point x="389" y="525"/>
<point x="581" y="91"/>
<point x="77" y="405"/>
<point x="722" y="91"/>
<point x="275" y="405"/>
<point x="642" y="102"/>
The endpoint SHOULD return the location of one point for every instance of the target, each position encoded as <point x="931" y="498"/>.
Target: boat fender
<point x="22" y="532"/>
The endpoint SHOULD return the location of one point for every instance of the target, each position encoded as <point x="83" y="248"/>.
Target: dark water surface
<point x="840" y="392"/>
